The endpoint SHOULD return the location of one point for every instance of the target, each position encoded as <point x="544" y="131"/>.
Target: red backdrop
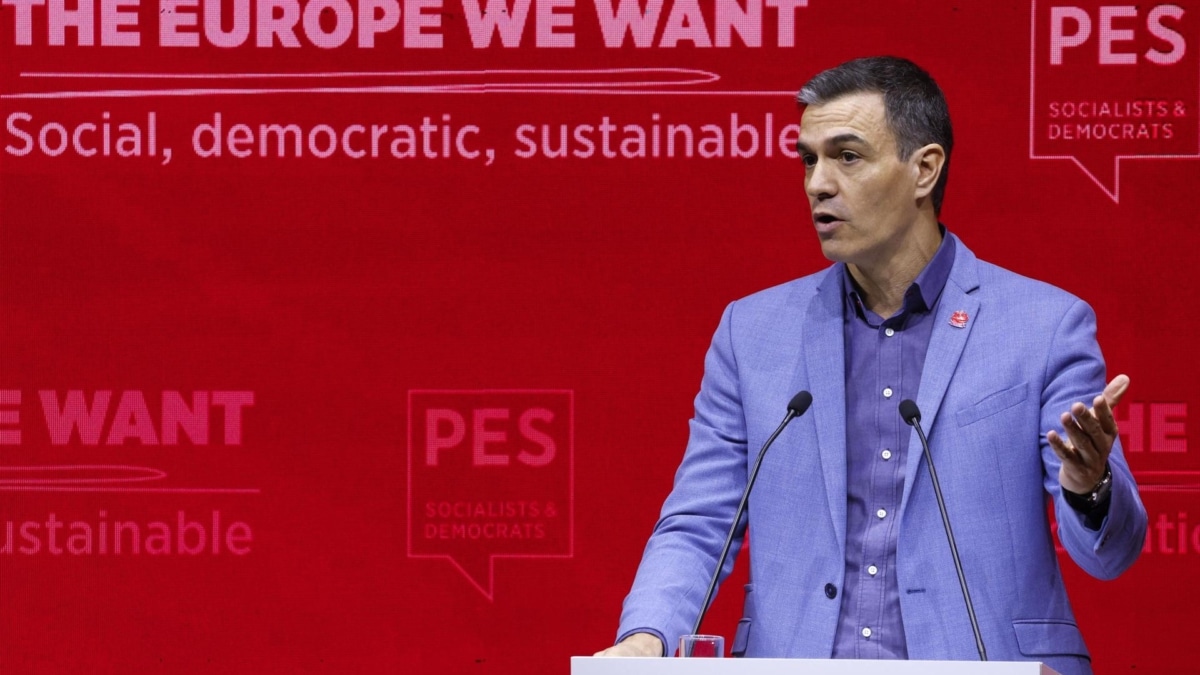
<point x="417" y="413"/>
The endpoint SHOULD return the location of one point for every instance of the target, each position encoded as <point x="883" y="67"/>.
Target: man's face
<point x="862" y="196"/>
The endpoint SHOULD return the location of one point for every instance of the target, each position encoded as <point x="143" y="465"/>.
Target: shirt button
<point x="866" y="632"/>
<point x="830" y="591"/>
<point x="886" y="454"/>
<point x="887" y="392"/>
<point x="872" y="570"/>
<point x="881" y="513"/>
<point x="889" y="332"/>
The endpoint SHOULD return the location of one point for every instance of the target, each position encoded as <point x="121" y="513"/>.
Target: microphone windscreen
<point x="910" y="412"/>
<point x="799" y="403"/>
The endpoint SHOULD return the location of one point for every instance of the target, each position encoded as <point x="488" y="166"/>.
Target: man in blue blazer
<point x="849" y="556"/>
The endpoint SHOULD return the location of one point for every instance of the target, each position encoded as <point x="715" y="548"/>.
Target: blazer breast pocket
<point x="993" y="404"/>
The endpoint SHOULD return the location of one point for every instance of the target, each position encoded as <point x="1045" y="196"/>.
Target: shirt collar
<point x="924" y="291"/>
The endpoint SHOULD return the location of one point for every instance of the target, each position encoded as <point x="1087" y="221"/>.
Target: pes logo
<point x="1108" y="39"/>
<point x="490" y="475"/>
<point x="1113" y="82"/>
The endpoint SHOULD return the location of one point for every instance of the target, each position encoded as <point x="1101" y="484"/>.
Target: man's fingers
<point x="1104" y="403"/>
<point x="1082" y="444"/>
<point x="1060" y="448"/>
<point x="1104" y="415"/>
<point x="1087" y="421"/>
<point x="1116" y="389"/>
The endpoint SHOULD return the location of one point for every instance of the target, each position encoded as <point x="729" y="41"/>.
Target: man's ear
<point x="928" y="161"/>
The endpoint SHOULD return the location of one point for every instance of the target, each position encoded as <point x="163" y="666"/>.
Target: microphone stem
<point x="962" y="580"/>
<point x="741" y="509"/>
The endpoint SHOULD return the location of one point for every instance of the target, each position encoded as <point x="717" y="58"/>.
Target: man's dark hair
<point x="915" y="107"/>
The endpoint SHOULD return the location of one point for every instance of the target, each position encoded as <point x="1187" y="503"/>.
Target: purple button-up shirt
<point x="884" y="359"/>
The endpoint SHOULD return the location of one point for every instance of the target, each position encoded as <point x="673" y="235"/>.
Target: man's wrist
<point x="1093" y="505"/>
<point x="1099" y="495"/>
<point x="647" y="643"/>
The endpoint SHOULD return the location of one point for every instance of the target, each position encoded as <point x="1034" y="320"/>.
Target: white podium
<point x="588" y="665"/>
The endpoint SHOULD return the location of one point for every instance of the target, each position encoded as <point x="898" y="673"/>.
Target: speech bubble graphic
<point x="1110" y="82"/>
<point x="490" y="475"/>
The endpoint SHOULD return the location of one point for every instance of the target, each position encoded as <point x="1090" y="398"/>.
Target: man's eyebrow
<point x="840" y="139"/>
<point x="847" y="138"/>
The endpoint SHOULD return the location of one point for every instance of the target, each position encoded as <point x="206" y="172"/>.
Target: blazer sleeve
<point x="1075" y="372"/>
<point x="682" y="552"/>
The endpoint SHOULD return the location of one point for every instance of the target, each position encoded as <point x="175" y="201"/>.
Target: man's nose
<point x="820" y="182"/>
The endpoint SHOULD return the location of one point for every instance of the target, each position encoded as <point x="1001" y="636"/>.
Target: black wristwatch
<point x="1086" y="503"/>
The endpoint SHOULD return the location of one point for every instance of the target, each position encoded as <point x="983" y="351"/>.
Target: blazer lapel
<point x="946" y="344"/>
<point x="825" y="357"/>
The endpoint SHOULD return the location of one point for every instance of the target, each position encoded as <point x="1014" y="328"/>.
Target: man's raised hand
<point x="1091" y="433"/>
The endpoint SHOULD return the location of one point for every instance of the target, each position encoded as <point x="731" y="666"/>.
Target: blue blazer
<point x="989" y="392"/>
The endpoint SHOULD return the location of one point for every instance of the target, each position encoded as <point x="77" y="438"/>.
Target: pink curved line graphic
<point x="625" y="81"/>
<point x="490" y="76"/>
<point x="95" y="478"/>
<point x="100" y="474"/>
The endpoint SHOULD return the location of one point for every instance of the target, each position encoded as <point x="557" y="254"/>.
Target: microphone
<point x="912" y="417"/>
<point x="796" y="407"/>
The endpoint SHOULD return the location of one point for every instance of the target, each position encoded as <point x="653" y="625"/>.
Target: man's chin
<point x="832" y="249"/>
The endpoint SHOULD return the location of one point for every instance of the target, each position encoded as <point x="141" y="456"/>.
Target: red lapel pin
<point x="959" y="319"/>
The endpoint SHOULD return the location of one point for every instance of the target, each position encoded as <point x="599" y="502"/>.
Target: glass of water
<point x="702" y="646"/>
